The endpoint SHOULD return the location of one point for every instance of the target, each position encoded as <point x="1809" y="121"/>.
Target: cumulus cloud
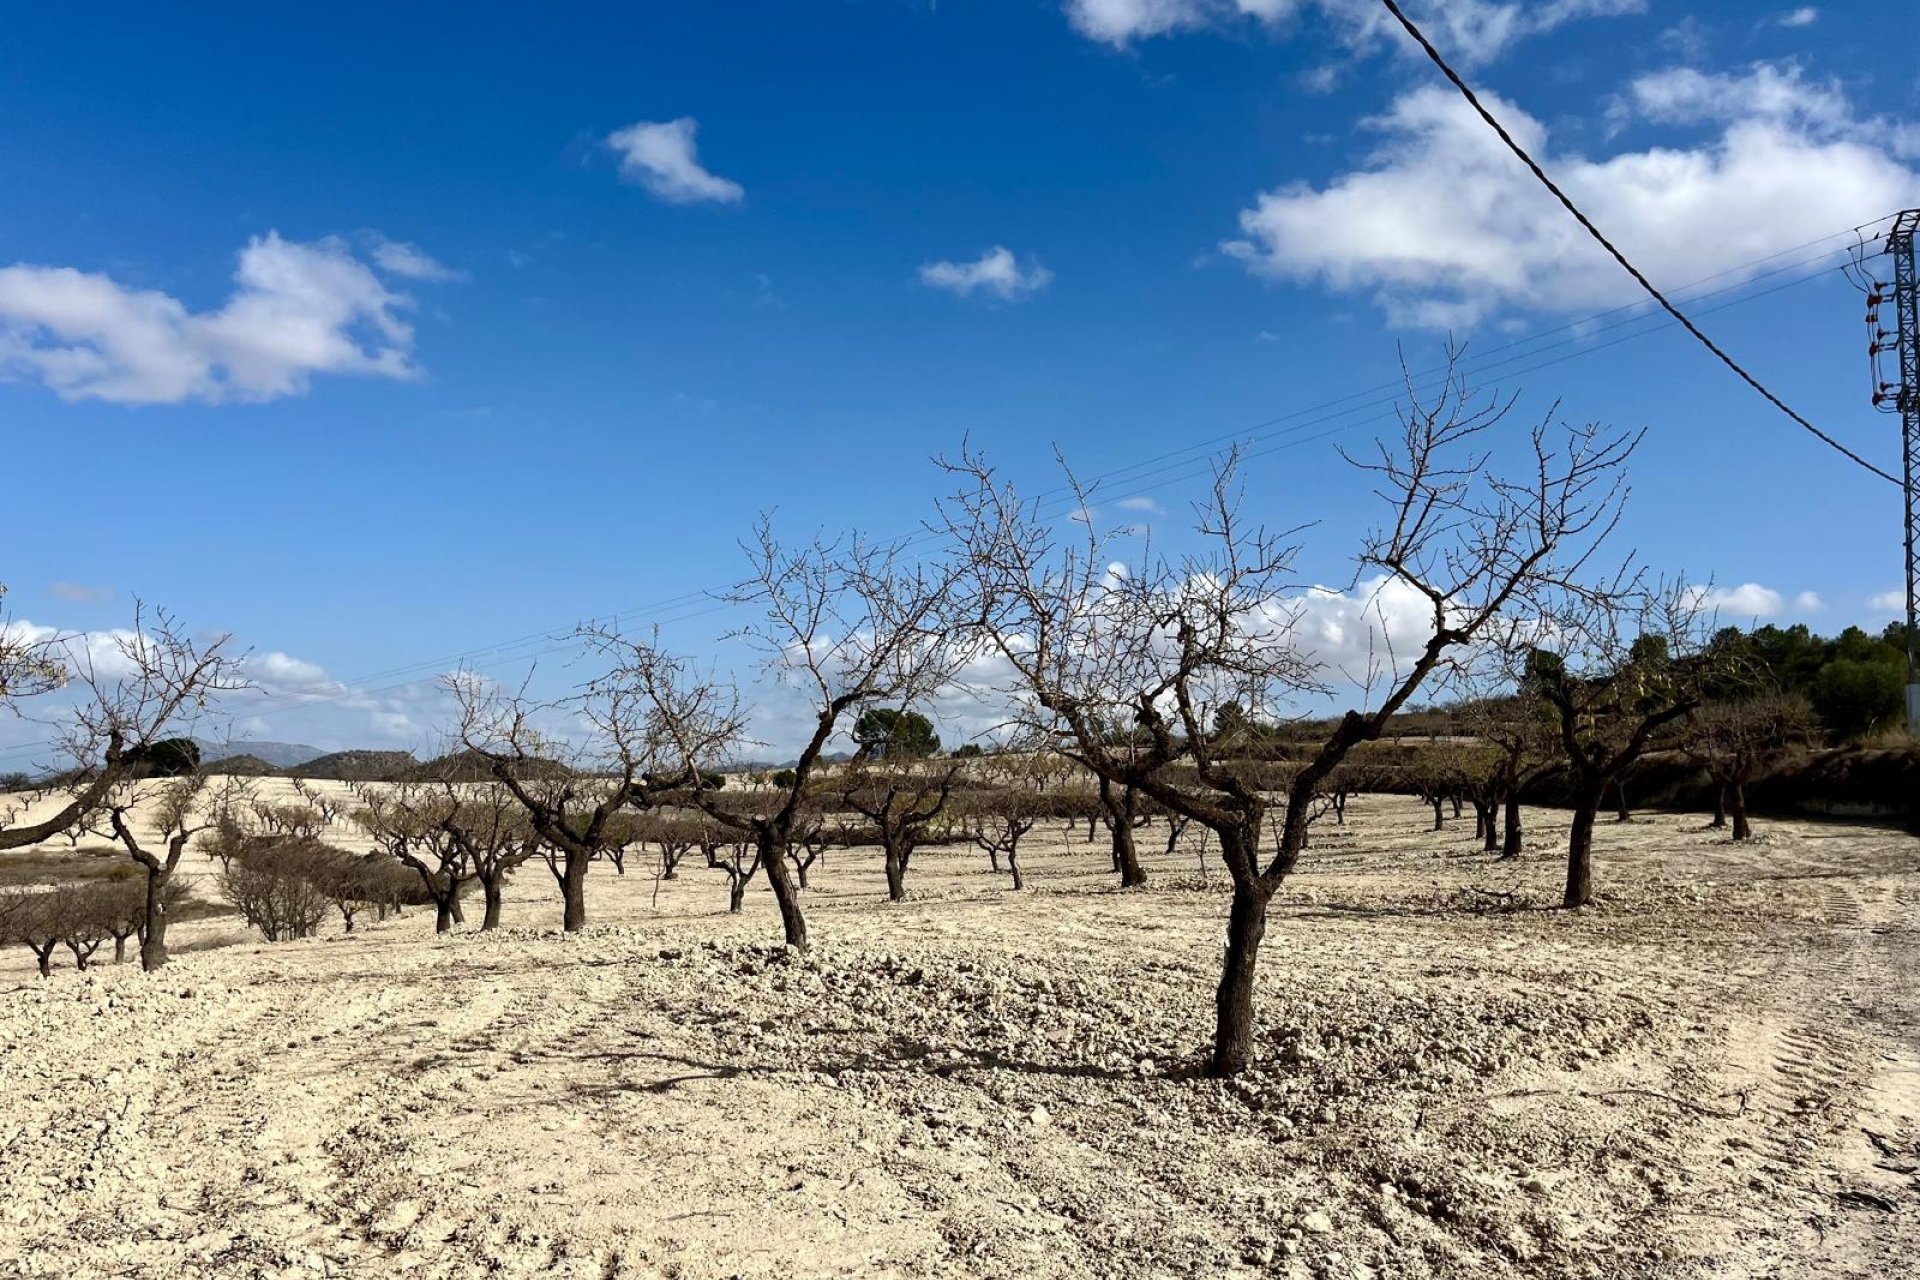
<point x="1474" y="31"/>
<point x="1809" y="602"/>
<point x="298" y="309"/>
<point x="662" y="157"/>
<point x="995" y="272"/>
<point x="1804" y="16"/>
<point x="279" y="671"/>
<point x="1746" y="601"/>
<point x="1888" y="602"/>
<point x="1445" y="227"/>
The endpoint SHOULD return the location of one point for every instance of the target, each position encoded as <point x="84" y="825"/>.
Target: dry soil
<point x="1715" y="1072"/>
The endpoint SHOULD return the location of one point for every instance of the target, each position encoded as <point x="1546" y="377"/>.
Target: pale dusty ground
<point x="1678" y="1083"/>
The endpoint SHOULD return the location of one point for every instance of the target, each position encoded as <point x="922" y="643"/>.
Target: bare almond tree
<point x="902" y="801"/>
<point x="409" y="822"/>
<point x="1095" y="639"/>
<point x="842" y="624"/>
<point x="574" y="793"/>
<point x="1615" y="668"/>
<point x="137" y="688"/>
<point x="1525" y="746"/>
<point x="175" y="811"/>
<point x="1733" y="737"/>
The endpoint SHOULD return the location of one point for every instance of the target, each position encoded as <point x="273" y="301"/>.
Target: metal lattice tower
<point x="1905" y="398"/>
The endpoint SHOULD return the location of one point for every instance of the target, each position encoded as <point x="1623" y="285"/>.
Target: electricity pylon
<point x="1902" y="396"/>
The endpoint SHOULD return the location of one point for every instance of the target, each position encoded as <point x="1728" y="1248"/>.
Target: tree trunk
<point x="443" y="914"/>
<point x="1233" y="1001"/>
<point x="1737" y="808"/>
<point x="993" y="856"/>
<point x="1580" y="851"/>
<point x="1126" y="855"/>
<point x="896" y="874"/>
<point x="1013" y="865"/>
<point x="1439" y="816"/>
<point x="1719" y="807"/>
<point x="120" y="949"/>
<point x="784" y="893"/>
<point x="1486" y="815"/>
<point x="1622" y="812"/>
<point x="1456" y="804"/>
<point x="490" y="889"/>
<point x="736" y="891"/>
<point x="153" y="946"/>
<point x="44" y="958"/>
<point x="1510" y="841"/>
<point x="453" y="903"/>
<point x="573" y="892"/>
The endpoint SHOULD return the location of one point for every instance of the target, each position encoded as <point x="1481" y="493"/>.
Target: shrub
<point x="273" y="885"/>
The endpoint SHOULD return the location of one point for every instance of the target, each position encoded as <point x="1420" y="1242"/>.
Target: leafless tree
<point x="902" y="802"/>
<point x="844" y="624"/>
<point x="179" y="809"/>
<point x="1525" y="743"/>
<point x="998" y="820"/>
<point x="1163" y="644"/>
<point x="409" y="822"/>
<point x="492" y="833"/>
<point x="575" y="795"/>
<point x="132" y="692"/>
<point x="80" y="913"/>
<point x="1733" y="737"/>
<point x="28" y="918"/>
<point x="1615" y="668"/>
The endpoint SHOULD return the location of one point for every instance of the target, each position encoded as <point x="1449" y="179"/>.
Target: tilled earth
<point x="1714" y="1072"/>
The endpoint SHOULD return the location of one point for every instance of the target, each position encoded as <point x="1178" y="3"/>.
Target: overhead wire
<point x="1639" y="277"/>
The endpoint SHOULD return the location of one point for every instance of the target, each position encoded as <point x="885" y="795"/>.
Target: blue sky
<point x="380" y="338"/>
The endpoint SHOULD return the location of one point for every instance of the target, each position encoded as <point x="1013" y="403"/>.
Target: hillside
<point x="357" y="766"/>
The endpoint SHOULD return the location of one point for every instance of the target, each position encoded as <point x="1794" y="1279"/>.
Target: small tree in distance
<point x="886" y="734"/>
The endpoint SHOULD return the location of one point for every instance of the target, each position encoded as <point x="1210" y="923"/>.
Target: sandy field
<point x="1713" y="1073"/>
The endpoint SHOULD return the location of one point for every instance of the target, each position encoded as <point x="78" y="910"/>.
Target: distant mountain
<point x="357" y="766"/>
<point x="281" y="755"/>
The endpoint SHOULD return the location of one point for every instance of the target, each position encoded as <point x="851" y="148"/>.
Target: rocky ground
<point x="1713" y="1073"/>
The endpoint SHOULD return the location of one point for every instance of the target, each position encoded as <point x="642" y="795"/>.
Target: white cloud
<point x="298" y="310"/>
<point x="1445" y="227"/>
<point x="1809" y="602"/>
<point x="1147" y="505"/>
<point x="1805" y="16"/>
<point x="662" y="158"/>
<point x="996" y="272"/>
<point x="279" y="671"/>
<point x="1474" y="31"/>
<point x="1888" y="602"/>
<point x="410" y="261"/>
<point x="75" y="593"/>
<point x="1748" y="600"/>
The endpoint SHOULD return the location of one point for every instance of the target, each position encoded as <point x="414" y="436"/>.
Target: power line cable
<point x="1640" y="278"/>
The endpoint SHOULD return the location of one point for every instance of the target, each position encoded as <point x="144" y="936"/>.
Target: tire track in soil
<point x="1803" y="1058"/>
